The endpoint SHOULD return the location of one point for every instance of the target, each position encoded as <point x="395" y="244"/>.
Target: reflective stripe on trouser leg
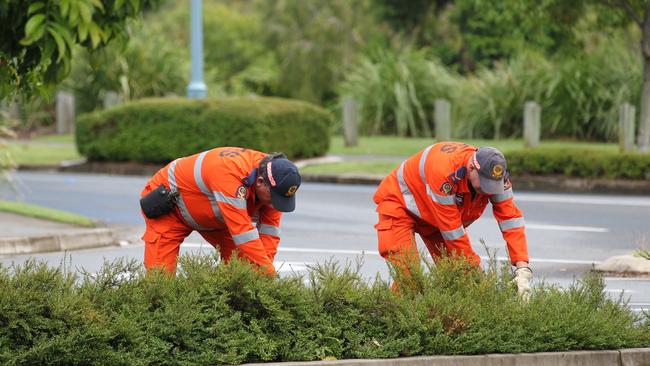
<point x="511" y="224"/>
<point x="245" y="237"/>
<point x="269" y="230"/>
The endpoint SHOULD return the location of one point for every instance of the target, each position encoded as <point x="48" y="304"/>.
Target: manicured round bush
<point x="160" y="130"/>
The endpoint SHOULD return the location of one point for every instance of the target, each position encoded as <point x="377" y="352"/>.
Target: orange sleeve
<point x="269" y="229"/>
<point x="233" y="210"/>
<point x="511" y="223"/>
<point x="447" y="216"/>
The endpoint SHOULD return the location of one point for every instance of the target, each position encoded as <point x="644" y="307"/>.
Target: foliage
<point x="6" y="160"/>
<point x="212" y="313"/>
<point x="499" y="30"/>
<point x="147" y="66"/>
<point x="396" y="90"/>
<point x="314" y="42"/>
<point x="642" y="253"/>
<point x="38" y="37"/>
<point x="579" y="163"/>
<point x="580" y="97"/>
<point x="159" y="130"/>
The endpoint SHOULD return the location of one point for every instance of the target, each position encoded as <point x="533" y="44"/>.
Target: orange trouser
<point x="164" y="235"/>
<point x="396" y="237"/>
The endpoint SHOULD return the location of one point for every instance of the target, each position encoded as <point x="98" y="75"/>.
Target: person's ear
<point x="259" y="181"/>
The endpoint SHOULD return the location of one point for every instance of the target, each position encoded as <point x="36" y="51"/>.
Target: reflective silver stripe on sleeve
<point x="269" y="230"/>
<point x="199" y="181"/>
<point x="245" y="237"/>
<point x="501" y="197"/>
<point x="237" y="202"/>
<point x="512" y="223"/>
<point x="443" y="200"/>
<point x="181" y="203"/>
<point x="406" y="193"/>
<point x="453" y="234"/>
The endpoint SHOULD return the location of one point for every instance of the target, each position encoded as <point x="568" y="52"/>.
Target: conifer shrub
<point x="214" y="313"/>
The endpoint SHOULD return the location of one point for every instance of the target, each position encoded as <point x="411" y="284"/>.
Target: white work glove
<point x="523" y="276"/>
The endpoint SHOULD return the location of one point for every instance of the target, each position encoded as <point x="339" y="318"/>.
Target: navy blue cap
<point x="491" y="166"/>
<point x="284" y="180"/>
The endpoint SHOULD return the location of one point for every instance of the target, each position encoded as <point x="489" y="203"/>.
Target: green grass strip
<point x="406" y="146"/>
<point x="45" y="213"/>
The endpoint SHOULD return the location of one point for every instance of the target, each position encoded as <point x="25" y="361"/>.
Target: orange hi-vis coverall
<point x="217" y="199"/>
<point x="430" y="194"/>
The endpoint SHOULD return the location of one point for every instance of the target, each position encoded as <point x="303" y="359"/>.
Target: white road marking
<point x="588" y="229"/>
<point x="620" y="290"/>
<point x="547" y="260"/>
<point x="375" y="253"/>
<point x="606" y="201"/>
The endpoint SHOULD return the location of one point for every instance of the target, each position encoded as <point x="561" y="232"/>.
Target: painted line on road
<point x="620" y="290"/>
<point x="643" y="279"/>
<point x="375" y="253"/>
<point x="587" y="229"/>
<point x="547" y="260"/>
<point x="529" y="225"/>
<point x="522" y="197"/>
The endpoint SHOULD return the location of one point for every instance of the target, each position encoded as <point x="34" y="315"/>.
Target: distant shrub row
<point x="160" y="130"/>
<point x="228" y="314"/>
<point x="579" y="163"/>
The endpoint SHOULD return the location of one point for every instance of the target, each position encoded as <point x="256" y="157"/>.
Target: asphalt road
<point x="567" y="233"/>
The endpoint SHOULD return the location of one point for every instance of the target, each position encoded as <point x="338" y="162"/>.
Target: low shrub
<point x="159" y="130"/>
<point x="212" y="313"/>
<point x="579" y="163"/>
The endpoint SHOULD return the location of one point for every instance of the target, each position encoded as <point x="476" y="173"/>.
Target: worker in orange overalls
<point x="439" y="192"/>
<point x="234" y="197"/>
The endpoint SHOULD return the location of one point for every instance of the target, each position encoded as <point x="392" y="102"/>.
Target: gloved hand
<point x="523" y="276"/>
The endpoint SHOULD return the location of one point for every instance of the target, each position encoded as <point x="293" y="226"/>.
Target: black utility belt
<point x="158" y="202"/>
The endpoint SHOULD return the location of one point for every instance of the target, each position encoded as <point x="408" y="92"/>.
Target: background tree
<point x="37" y="37"/>
<point x="636" y="12"/>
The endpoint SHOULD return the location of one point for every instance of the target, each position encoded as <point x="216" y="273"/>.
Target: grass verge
<point x="212" y="313"/>
<point x="379" y="167"/>
<point x="403" y="146"/>
<point x="45" y="213"/>
<point x="33" y="153"/>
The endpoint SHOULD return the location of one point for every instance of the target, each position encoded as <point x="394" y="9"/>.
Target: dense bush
<point x="396" y="91"/>
<point x="579" y="163"/>
<point x="229" y="314"/>
<point x="159" y="130"/>
<point x="580" y="97"/>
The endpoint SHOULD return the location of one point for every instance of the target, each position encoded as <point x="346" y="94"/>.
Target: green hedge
<point x="160" y="130"/>
<point x="579" y="163"/>
<point x="228" y="314"/>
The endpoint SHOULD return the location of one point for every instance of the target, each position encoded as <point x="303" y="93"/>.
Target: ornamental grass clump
<point x="215" y="313"/>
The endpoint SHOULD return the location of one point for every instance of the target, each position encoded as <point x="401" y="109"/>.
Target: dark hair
<point x="262" y="167"/>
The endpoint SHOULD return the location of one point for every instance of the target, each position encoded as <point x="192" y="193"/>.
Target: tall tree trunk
<point x="644" y="123"/>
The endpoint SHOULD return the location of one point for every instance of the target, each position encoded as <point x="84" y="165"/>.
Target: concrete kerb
<point x="67" y="240"/>
<point x="625" y="265"/>
<point x="623" y="357"/>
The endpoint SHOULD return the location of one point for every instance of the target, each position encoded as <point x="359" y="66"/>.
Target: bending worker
<point x="234" y="197"/>
<point x="439" y="192"/>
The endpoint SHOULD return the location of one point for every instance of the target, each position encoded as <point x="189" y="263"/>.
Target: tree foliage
<point x="37" y="37"/>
